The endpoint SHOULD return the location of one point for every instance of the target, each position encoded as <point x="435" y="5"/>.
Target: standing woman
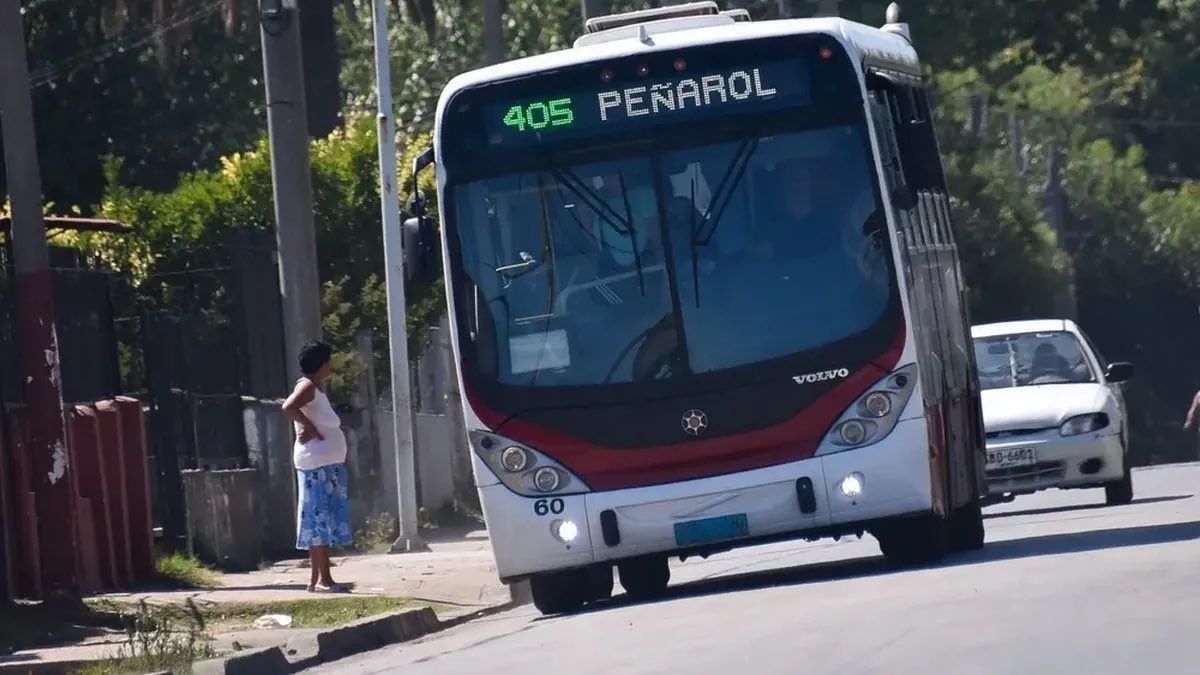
<point x="323" y="514"/>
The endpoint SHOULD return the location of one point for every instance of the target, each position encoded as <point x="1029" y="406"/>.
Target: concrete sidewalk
<point x="459" y="574"/>
<point x="457" y="578"/>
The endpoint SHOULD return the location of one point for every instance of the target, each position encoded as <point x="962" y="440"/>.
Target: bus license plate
<point x="1006" y="459"/>
<point x="711" y="529"/>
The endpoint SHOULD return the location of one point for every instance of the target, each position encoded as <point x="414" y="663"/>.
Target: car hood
<point x="1039" y="406"/>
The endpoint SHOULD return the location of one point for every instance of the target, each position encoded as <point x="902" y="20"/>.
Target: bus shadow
<point x="1080" y="507"/>
<point x="1013" y="549"/>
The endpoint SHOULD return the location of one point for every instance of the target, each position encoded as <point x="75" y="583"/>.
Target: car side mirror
<point x="1119" y="372"/>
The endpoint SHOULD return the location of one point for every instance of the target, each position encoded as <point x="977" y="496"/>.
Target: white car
<point x="1053" y="410"/>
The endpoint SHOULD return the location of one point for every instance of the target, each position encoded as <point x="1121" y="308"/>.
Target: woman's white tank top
<point x="317" y="453"/>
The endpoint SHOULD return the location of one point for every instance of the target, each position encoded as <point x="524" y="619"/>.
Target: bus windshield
<point x="665" y="265"/>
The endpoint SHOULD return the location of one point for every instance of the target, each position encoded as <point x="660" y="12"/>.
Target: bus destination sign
<point x="622" y="106"/>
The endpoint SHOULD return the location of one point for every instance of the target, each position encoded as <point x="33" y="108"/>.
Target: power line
<point x="86" y="59"/>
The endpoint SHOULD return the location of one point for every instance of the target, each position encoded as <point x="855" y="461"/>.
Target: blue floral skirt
<point x="323" y="515"/>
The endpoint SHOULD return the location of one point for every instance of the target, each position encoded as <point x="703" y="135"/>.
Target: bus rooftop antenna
<point x="894" y="25"/>
<point x="893" y="13"/>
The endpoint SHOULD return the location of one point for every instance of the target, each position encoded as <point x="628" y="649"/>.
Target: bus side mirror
<point x="420" y="247"/>
<point x="903" y="197"/>
<point x="420" y="238"/>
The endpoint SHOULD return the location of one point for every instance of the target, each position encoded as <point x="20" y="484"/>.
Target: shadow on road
<point x="1080" y="542"/>
<point x="1081" y="507"/>
<point x="1051" y="544"/>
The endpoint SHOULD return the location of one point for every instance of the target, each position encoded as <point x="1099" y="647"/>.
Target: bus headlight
<point x="877" y="404"/>
<point x="874" y="414"/>
<point x="522" y="469"/>
<point x="546" y="479"/>
<point x="852" y="432"/>
<point x="514" y="459"/>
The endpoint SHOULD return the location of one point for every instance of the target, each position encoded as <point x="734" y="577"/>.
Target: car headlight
<point x="872" y="415"/>
<point x="1083" y="424"/>
<point x="523" y="469"/>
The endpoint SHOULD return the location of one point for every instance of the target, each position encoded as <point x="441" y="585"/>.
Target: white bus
<point x="705" y="294"/>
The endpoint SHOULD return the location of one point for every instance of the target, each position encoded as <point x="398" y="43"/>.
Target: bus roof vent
<point x="738" y="15"/>
<point x="602" y="23"/>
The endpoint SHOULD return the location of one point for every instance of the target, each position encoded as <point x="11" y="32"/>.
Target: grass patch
<point x="29" y="625"/>
<point x="178" y="663"/>
<point x="158" y="638"/>
<point x="376" y="535"/>
<point x="184" y="570"/>
<point x="322" y="613"/>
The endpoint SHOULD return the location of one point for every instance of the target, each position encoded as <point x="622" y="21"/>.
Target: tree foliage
<point x="1106" y="89"/>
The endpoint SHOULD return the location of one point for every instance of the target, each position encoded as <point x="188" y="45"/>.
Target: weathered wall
<point x="443" y="467"/>
<point x="269" y="447"/>
<point x="225" y="517"/>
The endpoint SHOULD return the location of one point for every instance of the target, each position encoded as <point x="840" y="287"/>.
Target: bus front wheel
<point x="914" y="541"/>
<point x="966" y="528"/>
<point x="558" y="592"/>
<point x="645" y="577"/>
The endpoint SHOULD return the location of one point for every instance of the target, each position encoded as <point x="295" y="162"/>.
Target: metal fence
<point x="207" y="337"/>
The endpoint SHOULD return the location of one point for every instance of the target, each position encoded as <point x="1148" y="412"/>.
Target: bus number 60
<point x="546" y="506"/>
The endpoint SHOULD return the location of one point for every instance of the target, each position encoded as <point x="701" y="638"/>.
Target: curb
<point x="338" y="643"/>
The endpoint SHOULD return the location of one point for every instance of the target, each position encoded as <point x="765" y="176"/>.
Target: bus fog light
<point x="514" y="459"/>
<point x="853" y="432"/>
<point x="546" y="479"/>
<point x="853" y="484"/>
<point x="564" y="530"/>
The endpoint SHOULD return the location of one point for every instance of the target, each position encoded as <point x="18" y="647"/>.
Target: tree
<point x="493" y="30"/>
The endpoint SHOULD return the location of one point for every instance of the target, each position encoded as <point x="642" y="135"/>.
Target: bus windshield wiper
<point x="623" y="226"/>
<point x="702" y="232"/>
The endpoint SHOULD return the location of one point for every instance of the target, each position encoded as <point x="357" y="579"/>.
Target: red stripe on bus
<point x="604" y="468"/>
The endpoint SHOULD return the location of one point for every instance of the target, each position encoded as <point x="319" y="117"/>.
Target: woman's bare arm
<point x="303" y="395"/>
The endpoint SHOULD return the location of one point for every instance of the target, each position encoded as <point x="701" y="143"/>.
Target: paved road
<point x="1064" y="585"/>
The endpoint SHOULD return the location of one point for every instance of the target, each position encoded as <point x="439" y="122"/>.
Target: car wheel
<point x="914" y="541"/>
<point x="645" y="577"/>
<point x="1119" y="492"/>
<point x="558" y="592"/>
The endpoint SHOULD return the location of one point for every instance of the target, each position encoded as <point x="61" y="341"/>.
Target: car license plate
<point x="1006" y="459"/>
<point x="711" y="529"/>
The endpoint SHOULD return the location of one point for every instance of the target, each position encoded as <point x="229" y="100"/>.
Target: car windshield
<point x="1030" y="359"/>
<point x="669" y="264"/>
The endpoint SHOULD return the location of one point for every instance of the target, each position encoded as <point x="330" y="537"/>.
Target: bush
<point x="187" y="227"/>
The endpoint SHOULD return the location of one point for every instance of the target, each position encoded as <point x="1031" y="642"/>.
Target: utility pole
<point x="1055" y="208"/>
<point x="826" y="7"/>
<point x="38" y="342"/>
<point x="291" y="177"/>
<point x="493" y="31"/>
<point x="408" y="538"/>
<point x="592" y="9"/>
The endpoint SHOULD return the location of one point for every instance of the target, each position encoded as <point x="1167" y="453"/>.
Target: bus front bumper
<point x="527" y="534"/>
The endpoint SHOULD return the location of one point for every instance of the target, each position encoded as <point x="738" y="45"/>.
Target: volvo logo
<point x="694" y="422"/>
<point x="823" y="376"/>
